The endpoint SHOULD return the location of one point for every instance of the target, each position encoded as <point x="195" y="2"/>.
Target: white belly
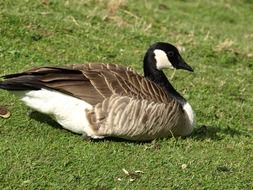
<point x="68" y="111"/>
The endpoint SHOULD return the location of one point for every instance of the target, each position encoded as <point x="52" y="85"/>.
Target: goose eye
<point x="170" y="53"/>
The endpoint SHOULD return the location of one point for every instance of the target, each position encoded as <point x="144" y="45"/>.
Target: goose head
<point x="161" y="56"/>
<point x="164" y="55"/>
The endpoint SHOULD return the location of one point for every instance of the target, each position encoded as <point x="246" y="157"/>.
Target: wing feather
<point x="90" y="82"/>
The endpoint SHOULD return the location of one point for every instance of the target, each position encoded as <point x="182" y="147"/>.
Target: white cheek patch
<point x="162" y="61"/>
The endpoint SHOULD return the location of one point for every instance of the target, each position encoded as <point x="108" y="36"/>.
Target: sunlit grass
<point x="214" y="37"/>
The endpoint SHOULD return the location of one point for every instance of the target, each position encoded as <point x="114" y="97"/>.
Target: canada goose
<point x="108" y="100"/>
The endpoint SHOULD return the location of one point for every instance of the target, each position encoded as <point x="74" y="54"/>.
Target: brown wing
<point x="90" y="82"/>
<point x="112" y="79"/>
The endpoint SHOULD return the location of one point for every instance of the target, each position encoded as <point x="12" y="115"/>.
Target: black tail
<point x="42" y="77"/>
<point x="17" y="84"/>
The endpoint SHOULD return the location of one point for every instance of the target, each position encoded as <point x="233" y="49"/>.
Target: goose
<point x="101" y="100"/>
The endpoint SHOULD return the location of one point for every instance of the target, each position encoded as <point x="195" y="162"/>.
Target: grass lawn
<point x="215" y="38"/>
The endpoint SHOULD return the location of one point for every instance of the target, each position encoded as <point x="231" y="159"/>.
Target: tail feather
<point x="19" y="84"/>
<point x="66" y="80"/>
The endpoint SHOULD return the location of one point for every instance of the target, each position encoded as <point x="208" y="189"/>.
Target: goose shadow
<point x="43" y="118"/>
<point x="215" y="133"/>
<point x="202" y="132"/>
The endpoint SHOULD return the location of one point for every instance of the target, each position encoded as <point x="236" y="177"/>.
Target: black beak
<point x="183" y="65"/>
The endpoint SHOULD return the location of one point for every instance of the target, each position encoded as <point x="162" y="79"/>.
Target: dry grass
<point x="226" y="45"/>
<point x="114" y="5"/>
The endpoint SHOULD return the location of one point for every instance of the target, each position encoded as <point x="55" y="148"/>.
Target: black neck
<point x="157" y="76"/>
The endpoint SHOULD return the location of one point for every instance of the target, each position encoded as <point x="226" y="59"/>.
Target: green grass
<point x="217" y="40"/>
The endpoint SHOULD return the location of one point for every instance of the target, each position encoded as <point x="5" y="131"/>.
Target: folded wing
<point x="89" y="82"/>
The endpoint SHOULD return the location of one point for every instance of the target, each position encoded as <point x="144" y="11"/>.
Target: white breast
<point x="190" y="113"/>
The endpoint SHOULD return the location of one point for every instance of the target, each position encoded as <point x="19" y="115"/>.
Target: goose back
<point x="90" y="82"/>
